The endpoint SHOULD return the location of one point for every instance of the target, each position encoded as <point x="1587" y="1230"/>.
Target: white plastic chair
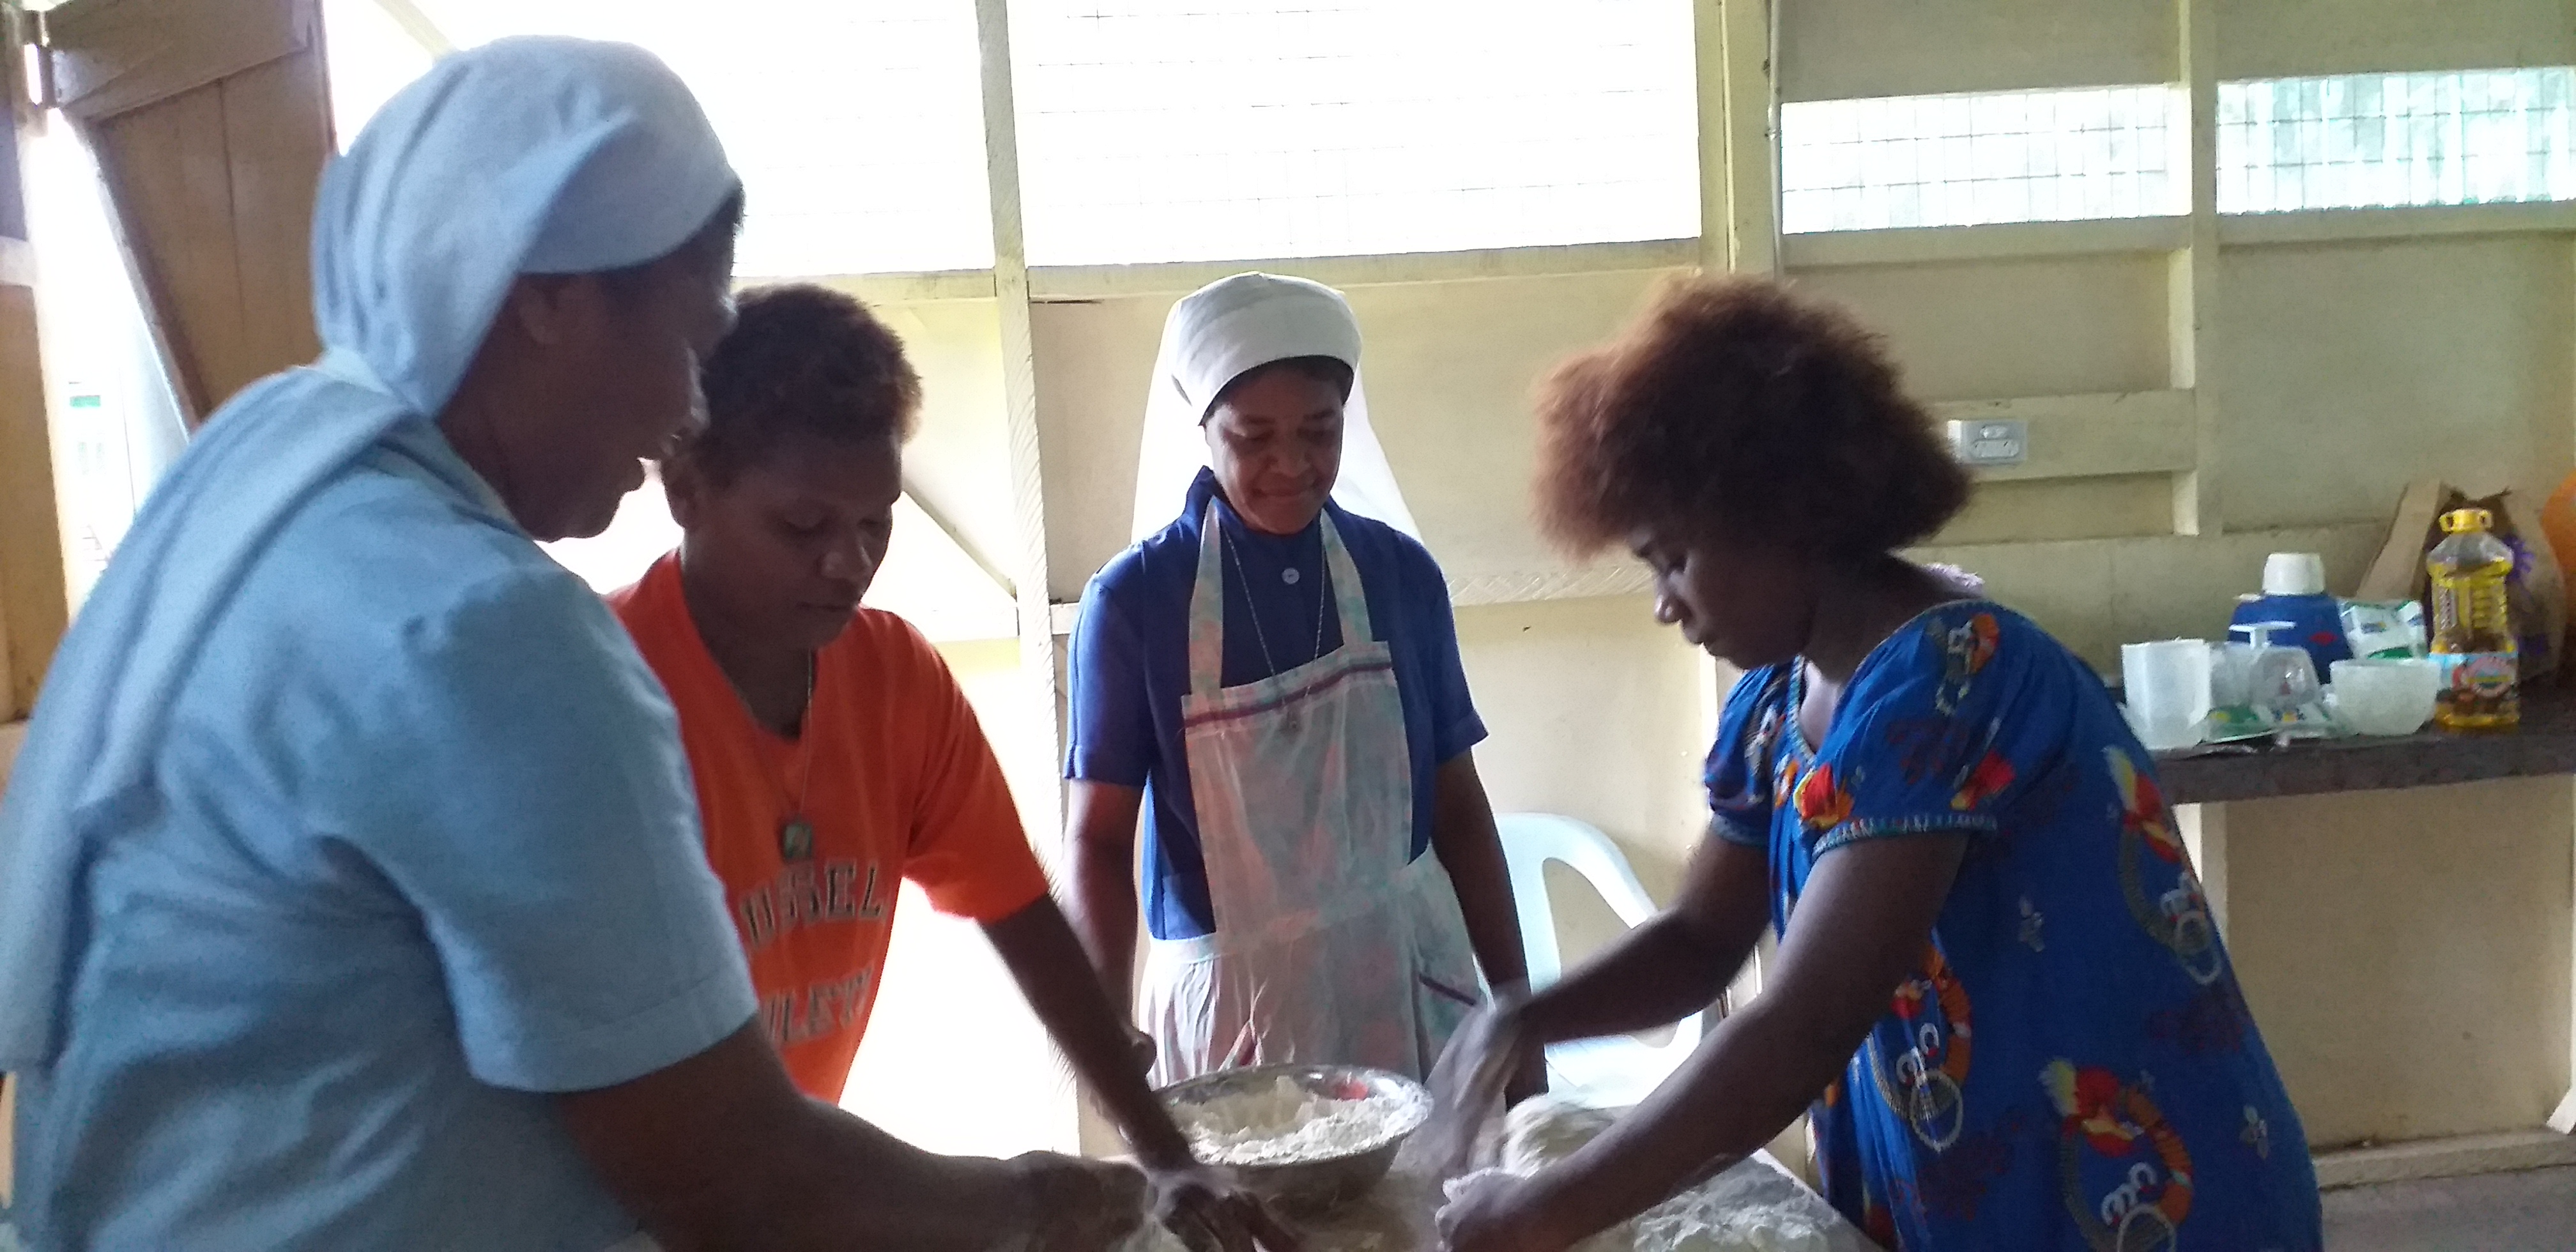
<point x="1612" y="1072"/>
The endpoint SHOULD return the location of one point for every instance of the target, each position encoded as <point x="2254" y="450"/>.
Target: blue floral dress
<point x="2071" y="1067"/>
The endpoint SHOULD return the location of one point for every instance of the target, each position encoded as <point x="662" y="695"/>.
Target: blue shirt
<point x="1131" y="662"/>
<point x="423" y="850"/>
<point x="2117" y="1093"/>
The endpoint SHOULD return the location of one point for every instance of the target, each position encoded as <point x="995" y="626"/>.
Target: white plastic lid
<point x="2294" y="574"/>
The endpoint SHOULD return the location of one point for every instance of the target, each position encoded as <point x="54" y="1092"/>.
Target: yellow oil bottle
<point x="2473" y="639"/>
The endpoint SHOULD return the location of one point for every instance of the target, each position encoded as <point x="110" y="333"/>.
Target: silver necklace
<point x="796" y="833"/>
<point x="1269" y="662"/>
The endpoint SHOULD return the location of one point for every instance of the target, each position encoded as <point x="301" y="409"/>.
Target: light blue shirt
<point x="421" y="848"/>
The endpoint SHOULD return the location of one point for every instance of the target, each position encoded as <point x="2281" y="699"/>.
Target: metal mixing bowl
<point x="1313" y="1186"/>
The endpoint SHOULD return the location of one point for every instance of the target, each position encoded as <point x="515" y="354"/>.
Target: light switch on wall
<point x="1990" y="443"/>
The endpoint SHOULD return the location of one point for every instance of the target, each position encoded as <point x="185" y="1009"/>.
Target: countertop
<point x="2545" y="744"/>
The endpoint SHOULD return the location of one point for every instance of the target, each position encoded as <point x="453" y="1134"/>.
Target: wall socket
<point x="1990" y="442"/>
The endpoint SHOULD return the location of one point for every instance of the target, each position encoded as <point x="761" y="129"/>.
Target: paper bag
<point x="2536" y="592"/>
<point x="2398" y="572"/>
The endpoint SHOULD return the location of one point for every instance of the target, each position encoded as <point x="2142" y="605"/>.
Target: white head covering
<point x="1212" y="336"/>
<point x="523" y="156"/>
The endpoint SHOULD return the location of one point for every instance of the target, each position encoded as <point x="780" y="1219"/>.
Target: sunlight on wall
<point x="954" y="1060"/>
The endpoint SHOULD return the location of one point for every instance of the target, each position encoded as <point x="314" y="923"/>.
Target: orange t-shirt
<point x="901" y="782"/>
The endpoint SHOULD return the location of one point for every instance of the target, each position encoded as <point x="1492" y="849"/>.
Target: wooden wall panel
<point x="170" y="179"/>
<point x="32" y="596"/>
<point x="276" y="128"/>
<point x="2285" y="38"/>
<point x="112" y="56"/>
<point x="33" y="600"/>
<point x="1844" y="49"/>
<point x="212" y="123"/>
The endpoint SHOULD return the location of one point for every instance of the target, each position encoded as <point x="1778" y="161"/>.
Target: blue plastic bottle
<point x="2294" y="591"/>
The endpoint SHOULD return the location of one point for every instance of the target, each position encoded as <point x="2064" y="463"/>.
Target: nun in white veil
<point x="1271" y="677"/>
<point x="1212" y="338"/>
<point x="351" y="888"/>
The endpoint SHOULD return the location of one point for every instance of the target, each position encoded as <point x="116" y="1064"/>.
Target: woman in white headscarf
<point x="350" y="884"/>
<point x="1277" y="672"/>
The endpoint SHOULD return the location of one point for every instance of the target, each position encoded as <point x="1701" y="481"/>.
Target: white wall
<point x="2406" y="954"/>
<point x="2348" y="369"/>
<point x="1598" y="713"/>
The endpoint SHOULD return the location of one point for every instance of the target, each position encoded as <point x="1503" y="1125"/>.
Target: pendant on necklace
<point x="796" y="838"/>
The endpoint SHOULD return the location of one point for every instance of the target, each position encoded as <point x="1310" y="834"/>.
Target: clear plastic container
<point x="2473" y="639"/>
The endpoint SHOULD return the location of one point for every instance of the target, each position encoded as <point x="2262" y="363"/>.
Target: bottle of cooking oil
<point x="2473" y="639"/>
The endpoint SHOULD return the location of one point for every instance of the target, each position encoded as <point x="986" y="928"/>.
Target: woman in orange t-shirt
<point x="834" y="754"/>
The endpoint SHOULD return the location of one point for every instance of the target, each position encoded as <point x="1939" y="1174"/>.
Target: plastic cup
<point x="2167" y="684"/>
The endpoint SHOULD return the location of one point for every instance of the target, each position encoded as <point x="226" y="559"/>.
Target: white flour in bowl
<point x="1284" y="1123"/>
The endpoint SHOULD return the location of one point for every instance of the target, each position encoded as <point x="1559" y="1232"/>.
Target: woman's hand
<point x="1210" y="1214"/>
<point x="1491" y="1049"/>
<point x="1069" y="1204"/>
<point x="1493" y="1215"/>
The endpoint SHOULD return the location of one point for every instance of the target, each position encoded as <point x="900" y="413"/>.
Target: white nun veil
<point x="1210" y="338"/>
<point x="522" y="156"/>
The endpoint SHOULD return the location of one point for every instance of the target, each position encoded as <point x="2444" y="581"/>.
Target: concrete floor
<point x="2531" y="1211"/>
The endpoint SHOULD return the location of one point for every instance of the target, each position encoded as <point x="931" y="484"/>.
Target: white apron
<point x="1329" y="947"/>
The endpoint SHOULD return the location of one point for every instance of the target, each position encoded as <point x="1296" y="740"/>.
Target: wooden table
<point x="2544" y="744"/>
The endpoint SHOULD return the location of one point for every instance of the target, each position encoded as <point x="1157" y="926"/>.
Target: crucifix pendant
<point x="796" y="838"/>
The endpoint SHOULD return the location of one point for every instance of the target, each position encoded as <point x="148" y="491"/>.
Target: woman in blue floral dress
<point x="1999" y="996"/>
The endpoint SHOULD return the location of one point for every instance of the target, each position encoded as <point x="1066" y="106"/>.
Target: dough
<point x="1748" y="1208"/>
<point x="1543" y="1130"/>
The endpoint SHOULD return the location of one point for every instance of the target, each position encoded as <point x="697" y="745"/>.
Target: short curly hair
<point x="1736" y="405"/>
<point x="807" y="360"/>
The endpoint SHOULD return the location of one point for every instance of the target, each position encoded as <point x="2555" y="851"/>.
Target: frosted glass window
<point x="1167" y="130"/>
<point x="858" y="128"/>
<point x="1972" y="159"/>
<point x="2366" y="140"/>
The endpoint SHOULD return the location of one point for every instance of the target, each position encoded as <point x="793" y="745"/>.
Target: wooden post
<point x="1019" y="364"/>
<point x="1028" y="494"/>
<point x="1738" y="142"/>
<point x="2191" y="279"/>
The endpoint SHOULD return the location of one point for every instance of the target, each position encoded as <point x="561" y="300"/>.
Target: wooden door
<point x="211" y="120"/>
